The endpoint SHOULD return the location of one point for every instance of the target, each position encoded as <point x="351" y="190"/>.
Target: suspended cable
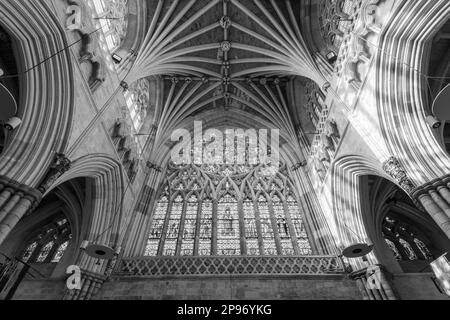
<point x="49" y="58"/>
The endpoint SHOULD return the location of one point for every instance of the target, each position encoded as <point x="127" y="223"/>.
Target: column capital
<point x="394" y="168"/>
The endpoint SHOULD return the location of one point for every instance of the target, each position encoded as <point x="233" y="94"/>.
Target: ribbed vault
<point x="222" y="56"/>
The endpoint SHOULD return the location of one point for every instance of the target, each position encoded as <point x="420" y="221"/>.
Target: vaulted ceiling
<point x="228" y="60"/>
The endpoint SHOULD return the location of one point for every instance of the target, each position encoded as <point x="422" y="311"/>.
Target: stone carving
<point x="368" y="11"/>
<point x="332" y="128"/>
<point x="126" y="147"/>
<point x="354" y="48"/>
<point x="140" y="95"/>
<point x="153" y="166"/>
<point x="323" y="155"/>
<point x="60" y="165"/>
<point x="225" y="46"/>
<point x="330" y="15"/>
<point x="358" y="51"/>
<point x="78" y="21"/>
<point x="395" y="169"/>
<point x="118" y="10"/>
<point x="327" y="142"/>
<point x="225" y="22"/>
<point x="320" y="168"/>
<point x="299" y="165"/>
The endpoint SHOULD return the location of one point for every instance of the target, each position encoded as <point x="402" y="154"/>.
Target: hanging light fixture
<point x="99" y="251"/>
<point x="357" y="250"/>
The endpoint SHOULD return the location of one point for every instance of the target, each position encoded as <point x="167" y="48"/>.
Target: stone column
<point x="16" y="200"/>
<point x="374" y="283"/>
<point x="91" y="284"/>
<point x="434" y="197"/>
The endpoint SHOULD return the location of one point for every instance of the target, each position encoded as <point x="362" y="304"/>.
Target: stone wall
<point x="414" y="286"/>
<point x="223" y="288"/>
<point x="40" y="290"/>
<point x="408" y="287"/>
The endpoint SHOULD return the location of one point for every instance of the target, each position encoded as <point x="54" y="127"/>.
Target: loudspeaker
<point x="13" y="123"/>
<point x="433" y="122"/>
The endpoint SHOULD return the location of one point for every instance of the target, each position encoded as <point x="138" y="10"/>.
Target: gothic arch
<point x="347" y="216"/>
<point x="108" y="187"/>
<point x="409" y="40"/>
<point x="387" y="206"/>
<point x="46" y="96"/>
<point x="63" y="214"/>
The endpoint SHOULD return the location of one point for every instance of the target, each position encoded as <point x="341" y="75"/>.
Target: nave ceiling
<point x="225" y="56"/>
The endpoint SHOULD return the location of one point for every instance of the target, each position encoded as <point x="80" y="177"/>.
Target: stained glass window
<point x="423" y="249"/>
<point x="251" y="232"/>
<point x="408" y="249"/>
<point x="60" y="251"/>
<point x="205" y="236"/>
<point x="228" y="239"/>
<point x="45" y="251"/>
<point x="268" y="236"/>
<point x="29" y="251"/>
<point x="287" y="246"/>
<point x="299" y="227"/>
<point x="394" y="249"/>
<point x="157" y="226"/>
<point x="173" y="227"/>
<point x="405" y="241"/>
<point x="49" y="243"/>
<point x="209" y="211"/>
<point x="190" y="223"/>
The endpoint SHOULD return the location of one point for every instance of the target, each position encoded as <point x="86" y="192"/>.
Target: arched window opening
<point x="29" y="251"/>
<point x="394" y="249"/>
<point x="225" y="211"/>
<point x="45" y="251"/>
<point x="405" y="241"/>
<point x="423" y="249"/>
<point x="49" y="244"/>
<point x="60" y="252"/>
<point x="408" y="249"/>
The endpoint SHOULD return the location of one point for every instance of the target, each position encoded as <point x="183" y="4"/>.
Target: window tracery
<point x="406" y="242"/>
<point x="223" y="211"/>
<point x="49" y="244"/>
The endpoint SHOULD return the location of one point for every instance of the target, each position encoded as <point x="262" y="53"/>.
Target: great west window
<point x="226" y="211"/>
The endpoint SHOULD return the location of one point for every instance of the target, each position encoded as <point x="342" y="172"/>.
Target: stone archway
<point x="395" y="224"/>
<point x="60" y="219"/>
